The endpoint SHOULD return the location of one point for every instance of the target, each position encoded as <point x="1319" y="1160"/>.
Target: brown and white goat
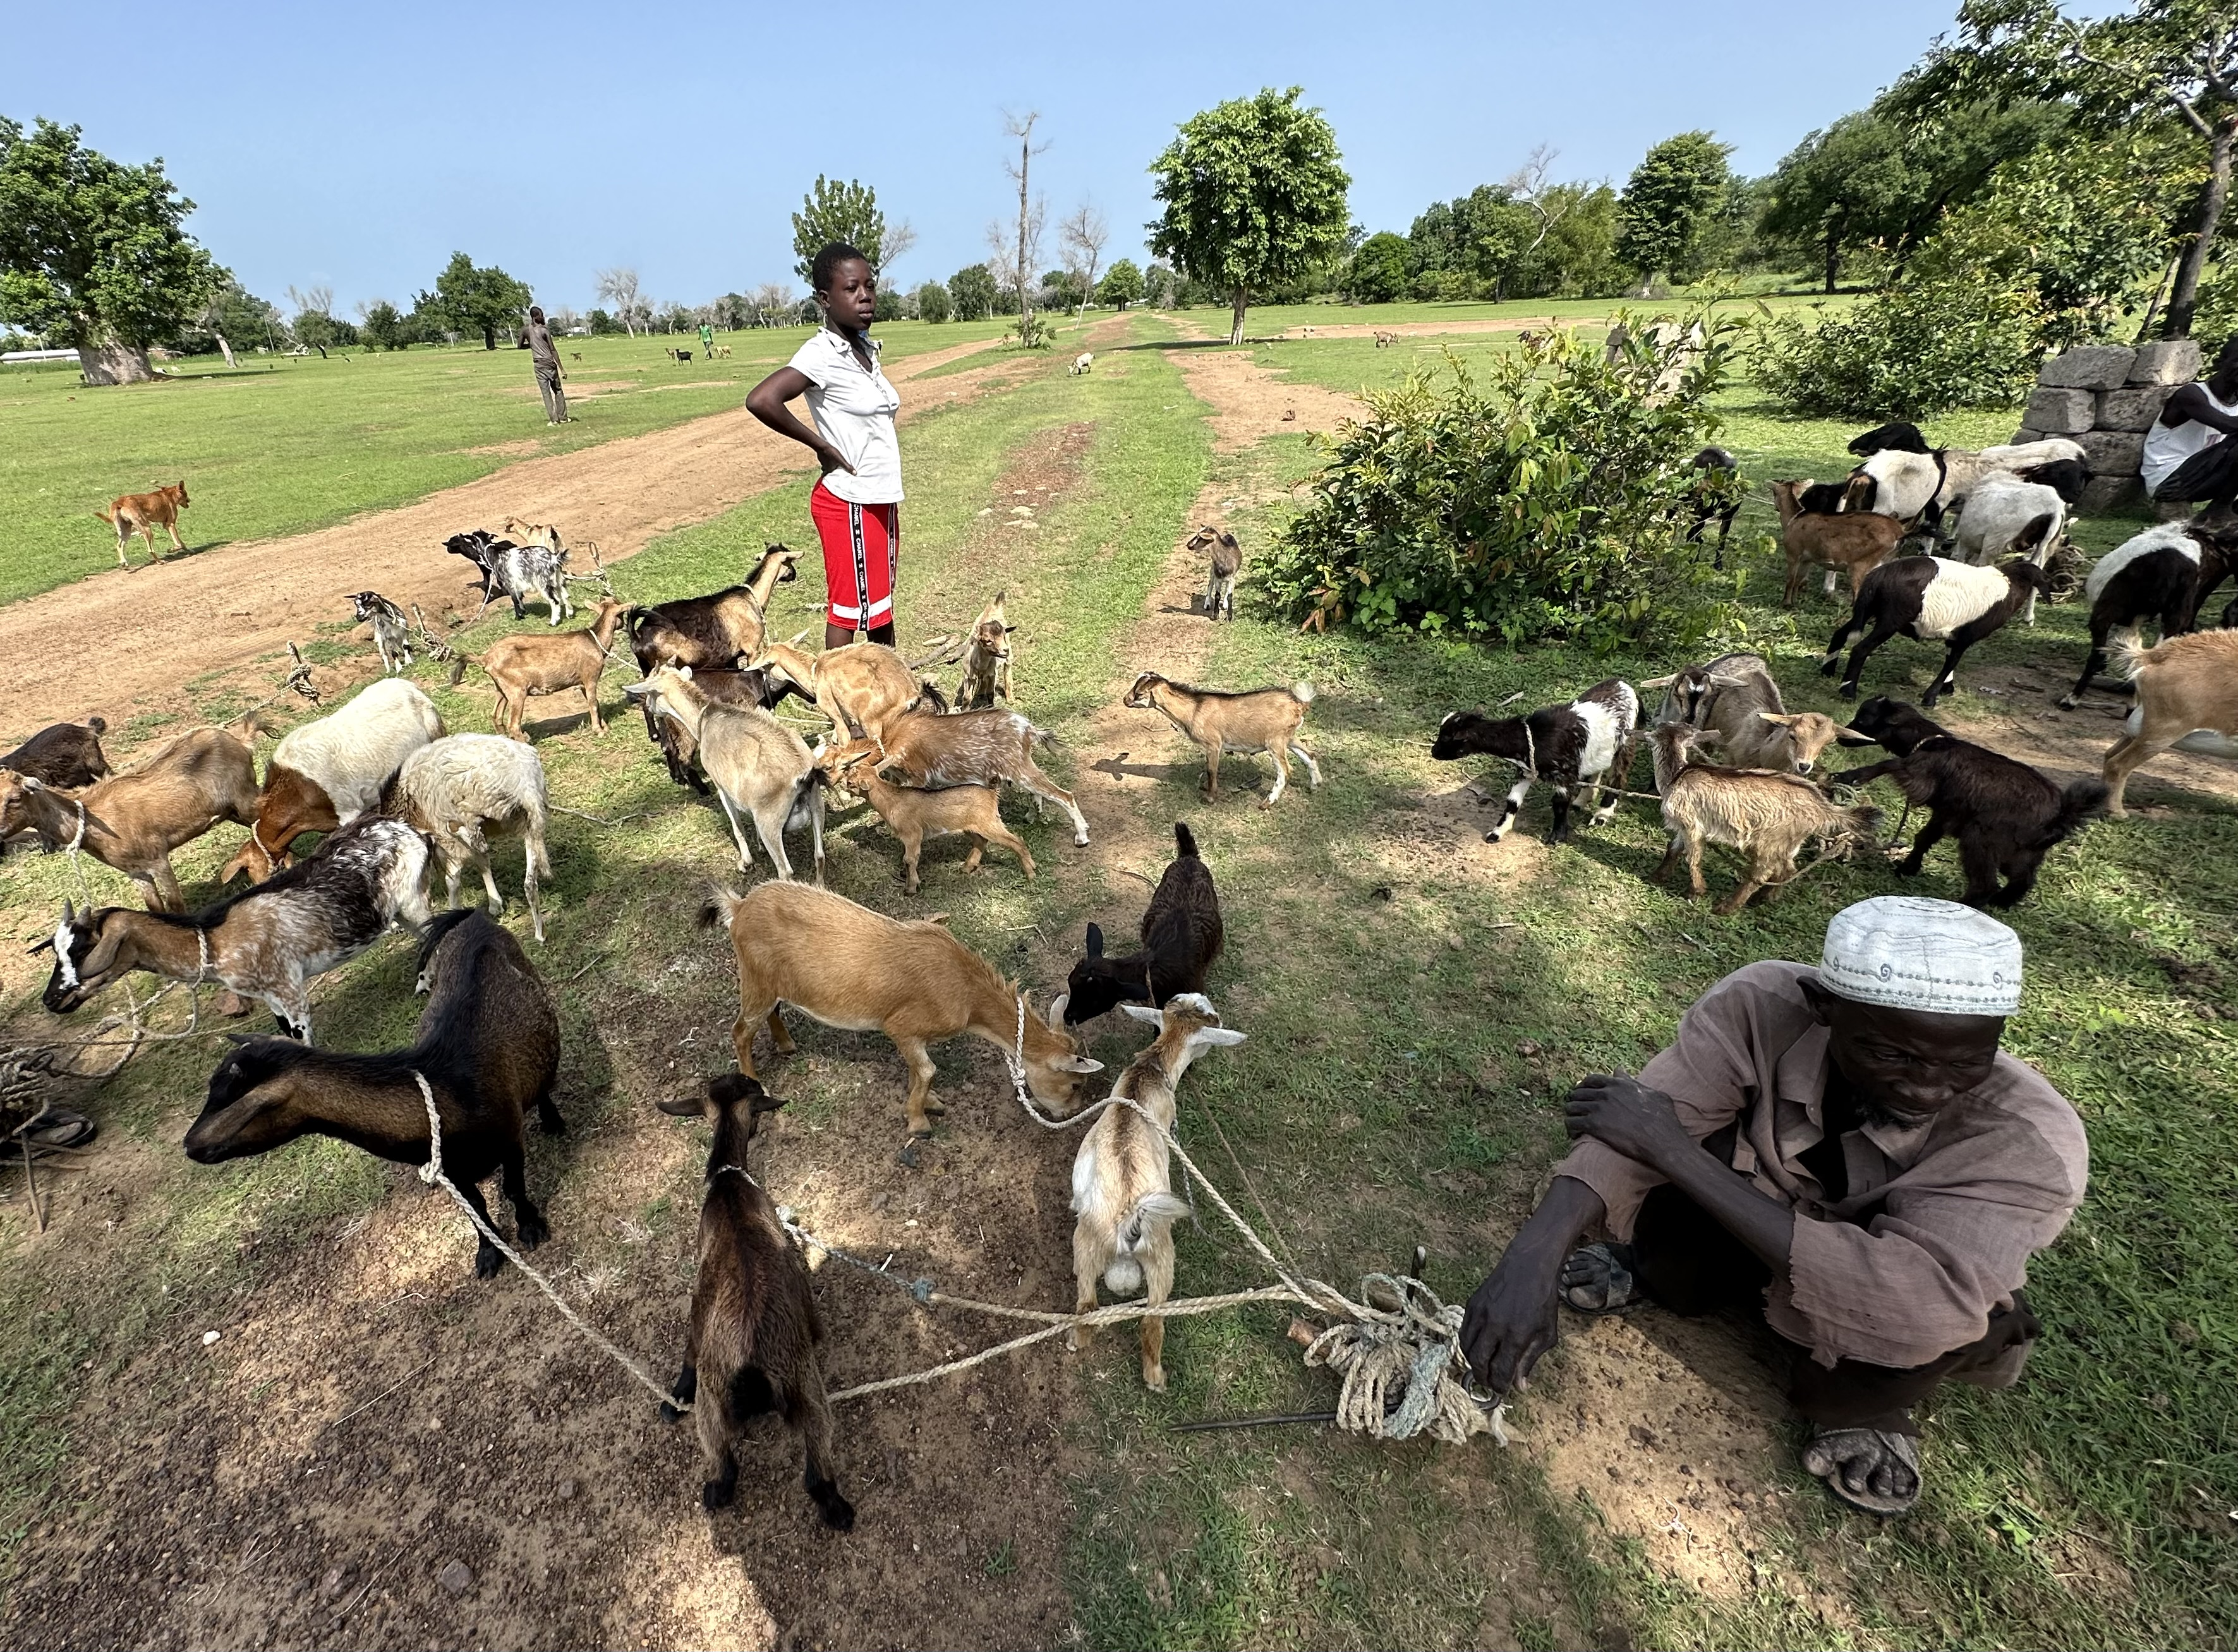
<point x="1226" y="560"/>
<point x="1253" y="721"/>
<point x="488" y="1046"/>
<point x="63" y="754"/>
<point x="860" y="686"/>
<point x="719" y="630"/>
<point x="1123" y="1205"/>
<point x="2187" y="686"/>
<point x="752" y="1346"/>
<point x="849" y="966"/>
<point x="1857" y="540"/>
<point x="327" y="772"/>
<point x="133" y="820"/>
<point x="986" y="660"/>
<point x="1767" y="817"/>
<point x="528" y="663"/>
<point x="915" y="813"/>
<point x="759" y="767"/>
<point x="974" y="749"/>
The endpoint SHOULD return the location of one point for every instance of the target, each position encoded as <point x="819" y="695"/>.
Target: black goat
<point x="2005" y="815"/>
<point x="1895" y="436"/>
<point x="1182" y="935"/>
<point x="754" y="1330"/>
<point x="67" y="754"/>
<point x="1932" y="599"/>
<point x="716" y="632"/>
<point x="1717" y="497"/>
<point x="488" y="1046"/>
<point x="2161" y="574"/>
<point x="1565" y="745"/>
<point x="2065" y="476"/>
<point x="1821" y="499"/>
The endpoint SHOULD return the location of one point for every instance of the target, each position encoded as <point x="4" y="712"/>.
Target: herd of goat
<point x="395" y="797"/>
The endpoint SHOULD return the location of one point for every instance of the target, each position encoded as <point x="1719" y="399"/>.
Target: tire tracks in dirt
<point x="155" y="628"/>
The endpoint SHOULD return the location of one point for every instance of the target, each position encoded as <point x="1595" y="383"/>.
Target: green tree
<point x="384" y="326"/>
<point x="2177" y="58"/>
<point x="1159" y="286"/>
<point x="1841" y="188"/>
<point x="1676" y="188"/>
<point x="844" y="212"/>
<point x="231" y="316"/>
<point x="1121" y="284"/>
<point x="470" y="300"/>
<point x="1378" y="271"/>
<point x="1061" y="289"/>
<point x="92" y="253"/>
<point x="603" y="325"/>
<point x="932" y="303"/>
<point x="1253" y="194"/>
<point x="972" y="290"/>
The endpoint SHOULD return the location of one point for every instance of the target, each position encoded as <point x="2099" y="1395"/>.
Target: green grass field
<point x="1414" y="1017"/>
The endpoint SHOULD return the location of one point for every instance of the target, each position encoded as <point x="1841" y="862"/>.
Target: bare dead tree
<point x="1085" y="235"/>
<point x="618" y="287"/>
<point x="1528" y="186"/>
<point x="898" y="241"/>
<point x="1032" y="213"/>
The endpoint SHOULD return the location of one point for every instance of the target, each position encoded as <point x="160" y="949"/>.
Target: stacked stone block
<point x="2105" y="397"/>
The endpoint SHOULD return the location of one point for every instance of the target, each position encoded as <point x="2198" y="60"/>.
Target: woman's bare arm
<point x="766" y="401"/>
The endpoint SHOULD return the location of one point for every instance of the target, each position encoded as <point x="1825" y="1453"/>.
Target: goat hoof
<point x="533" y="1232"/>
<point x="907" y="1158"/>
<point x="1153" y="1378"/>
<point x="718" y="1494"/>
<point x="669" y="1413"/>
<point x="1848" y="691"/>
<point x="2066" y="702"/>
<point x="488" y="1261"/>
<point x="837" y="1512"/>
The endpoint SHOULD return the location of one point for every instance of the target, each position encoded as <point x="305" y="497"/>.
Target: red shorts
<point x="862" y="547"/>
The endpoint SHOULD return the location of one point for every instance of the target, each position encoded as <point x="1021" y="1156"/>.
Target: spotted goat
<point x="1566" y="746"/>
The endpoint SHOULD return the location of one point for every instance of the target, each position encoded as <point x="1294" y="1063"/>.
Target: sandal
<point x="1598" y="1280"/>
<point x="54" y="1128"/>
<point x="1873" y="1469"/>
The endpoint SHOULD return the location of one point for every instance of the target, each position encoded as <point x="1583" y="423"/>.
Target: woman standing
<point x="857" y="503"/>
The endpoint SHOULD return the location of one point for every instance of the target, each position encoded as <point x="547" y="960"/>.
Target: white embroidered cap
<point x="1908" y="952"/>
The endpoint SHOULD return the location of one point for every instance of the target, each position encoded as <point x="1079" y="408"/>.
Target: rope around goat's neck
<point x="431" y="1174"/>
<point x="77" y="839"/>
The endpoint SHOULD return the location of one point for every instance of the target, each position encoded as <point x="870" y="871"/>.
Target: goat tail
<point x="1184" y="842"/>
<point x="459" y="663"/>
<point x="1142" y="1226"/>
<point x="108" y="517"/>
<point x="98" y="724"/>
<point x="1302" y="693"/>
<point x="719" y="906"/>
<point x="1043" y="738"/>
<point x="2083" y="801"/>
<point x="2132" y="655"/>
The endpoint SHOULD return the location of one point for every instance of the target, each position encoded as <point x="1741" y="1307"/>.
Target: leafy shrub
<point x="1943" y="342"/>
<point x="1551" y="502"/>
<point x="932" y="302"/>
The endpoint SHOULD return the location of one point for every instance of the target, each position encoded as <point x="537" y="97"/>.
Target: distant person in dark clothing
<point x="545" y="356"/>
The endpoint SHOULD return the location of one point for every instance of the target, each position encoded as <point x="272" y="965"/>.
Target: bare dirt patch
<point x="1250" y="403"/>
<point x="221" y="609"/>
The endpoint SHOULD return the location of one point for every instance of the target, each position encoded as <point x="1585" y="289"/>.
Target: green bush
<point x="1946" y="342"/>
<point x="932" y="302"/>
<point x="1551" y="503"/>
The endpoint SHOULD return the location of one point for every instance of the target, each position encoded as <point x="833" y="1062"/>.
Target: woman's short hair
<point x="825" y="268"/>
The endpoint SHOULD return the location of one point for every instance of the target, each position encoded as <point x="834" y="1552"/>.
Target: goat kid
<point x="755" y="1334"/>
<point x="860" y="686"/>
<point x="2159" y="574"/>
<point x="1181" y="933"/>
<point x="1227" y="559"/>
<point x="1857" y="540"/>
<point x="392" y="631"/>
<point x="1565" y="746"/>
<point x="63" y="754"/>
<point x="2005" y="815"/>
<point x="1123" y="1201"/>
<point x="915" y="813"/>
<point x="760" y="767"/>
<point x="1735" y="703"/>
<point x="849" y="966"/>
<point x="1718" y="492"/>
<point x="464" y="788"/>
<point x="1767" y="817"/>
<point x="2188" y="685"/>
<point x="516" y="572"/>
<point x="267" y="941"/>
<point x="1934" y="600"/>
<point x="525" y="664"/>
<point x="487" y="1044"/>
<point x="974" y="749"/>
<point x="1246" y="723"/>
<point x="987" y="659"/>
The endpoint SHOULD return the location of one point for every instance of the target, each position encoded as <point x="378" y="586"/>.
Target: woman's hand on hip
<point x="832" y="459"/>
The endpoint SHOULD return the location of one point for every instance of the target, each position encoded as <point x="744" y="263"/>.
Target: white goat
<point x="758" y="766"/>
<point x="465" y="788"/>
<point x="1999" y="509"/>
<point x="1082" y="362"/>
<point x="1122" y="1198"/>
<point x="329" y="772"/>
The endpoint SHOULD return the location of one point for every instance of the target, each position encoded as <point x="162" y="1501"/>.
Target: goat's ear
<point x="680" y="1106"/>
<point x="1785" y="719"/>
<point x="1149" y="1012"/>
<point x="636" y="690"/>
<point x="1224" y="1035"/>
<point x="767" y="1104"/>
<point x="48" y="945"/>
<point x="1077" y="1064"/>
<point x="1660" y="681"/>
<point x="1055" y="1017"/>
<point x="1095" y="941"/>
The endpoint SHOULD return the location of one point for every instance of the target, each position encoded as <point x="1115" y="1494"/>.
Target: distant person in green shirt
<point x="707" y="340"/>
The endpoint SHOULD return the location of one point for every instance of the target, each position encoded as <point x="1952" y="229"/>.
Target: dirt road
<point x="152" y="629"/>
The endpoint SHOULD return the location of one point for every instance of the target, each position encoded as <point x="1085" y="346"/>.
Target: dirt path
<point x="155" y="628"/>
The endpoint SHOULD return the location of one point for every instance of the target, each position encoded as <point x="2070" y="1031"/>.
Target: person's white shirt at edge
<point x="855" y="411"/>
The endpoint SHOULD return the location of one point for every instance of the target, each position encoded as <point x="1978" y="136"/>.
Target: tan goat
<point x="915" y="813"/>
<point x="987" y="660"/>
<point x="1767" y="817"/>
<point x="528" y="662"/>
<point x="860" y="686"/>
<point x="849" y="966"/>
<point x="759" y="767"/>
<point x="977" y="749"/>
<point x="1226" y="561"/>
<point x="2185" y="686"/>
<point x="1254" y="721"/>
<point x="1857" y="541"/>
<point x="1123" y="1201"/>
<point x="133" y="820"/>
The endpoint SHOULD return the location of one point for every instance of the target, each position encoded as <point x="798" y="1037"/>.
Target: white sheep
<point x="464" y="788"/>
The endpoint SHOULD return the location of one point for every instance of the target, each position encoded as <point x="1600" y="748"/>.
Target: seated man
<point x="1845" y="1143"/>
<point x="2189" y="454"/>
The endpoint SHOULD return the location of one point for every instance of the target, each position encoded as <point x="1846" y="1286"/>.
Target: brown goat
<point x="915" y="813"/>
<point x="755" y="1330"/>
<point x="977" y="749"/>
<point x="528" y="663"/>
<point x="133" y="820"/>
<point x="987" y="660"/>
<point x="1857" y="541"/>
<point x="1255" y="720"/>
<point x="1226" y="560"/>
<point x="2187" y="686"/>
<point x="860" y="686"/>
<point x="1768" y="817"/>
<point x="847" y="966"/>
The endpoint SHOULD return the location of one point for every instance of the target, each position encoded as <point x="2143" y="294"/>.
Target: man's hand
<point x="1625" y="1115"/>
<point x="1511" y="1320"/>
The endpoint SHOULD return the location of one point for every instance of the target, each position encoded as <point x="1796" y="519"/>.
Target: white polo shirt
<point x="855" y="411"/>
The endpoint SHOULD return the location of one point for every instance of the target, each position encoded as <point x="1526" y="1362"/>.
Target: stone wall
<point x="2105" y="397"/>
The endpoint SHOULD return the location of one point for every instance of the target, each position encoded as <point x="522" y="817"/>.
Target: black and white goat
<point x="1565" y="745"/>
<point x="392" y="632"/>
<point x="1932" y="599"/>
<point x="516" y="571"/>
<point x="266" y="943"/>
<point x="2161" y="575"/>
<point x="2005" y="815"/>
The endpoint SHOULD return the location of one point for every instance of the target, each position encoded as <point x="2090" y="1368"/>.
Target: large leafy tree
<point x="846" y="212"/>
<point x="973" y="291"/>
<point x="1841" y="188"/>
<point x="1671" y="196"/>
<point x="92" y="252"/>
<point x="470" y="298"/>
<point x="2176" y="58"/>
<point x="1378" y="271"/>
<point x="1121" y="284"/>
<point x="1253" y="195"/>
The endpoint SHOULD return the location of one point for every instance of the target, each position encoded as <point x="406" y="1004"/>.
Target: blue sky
<point x="358" y="146"/>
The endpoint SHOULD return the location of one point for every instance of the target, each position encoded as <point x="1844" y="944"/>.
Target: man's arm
<point x="1511" y="1320"/>
<point x="2191" y="403"/>
<point x="1641" y="1124"/>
